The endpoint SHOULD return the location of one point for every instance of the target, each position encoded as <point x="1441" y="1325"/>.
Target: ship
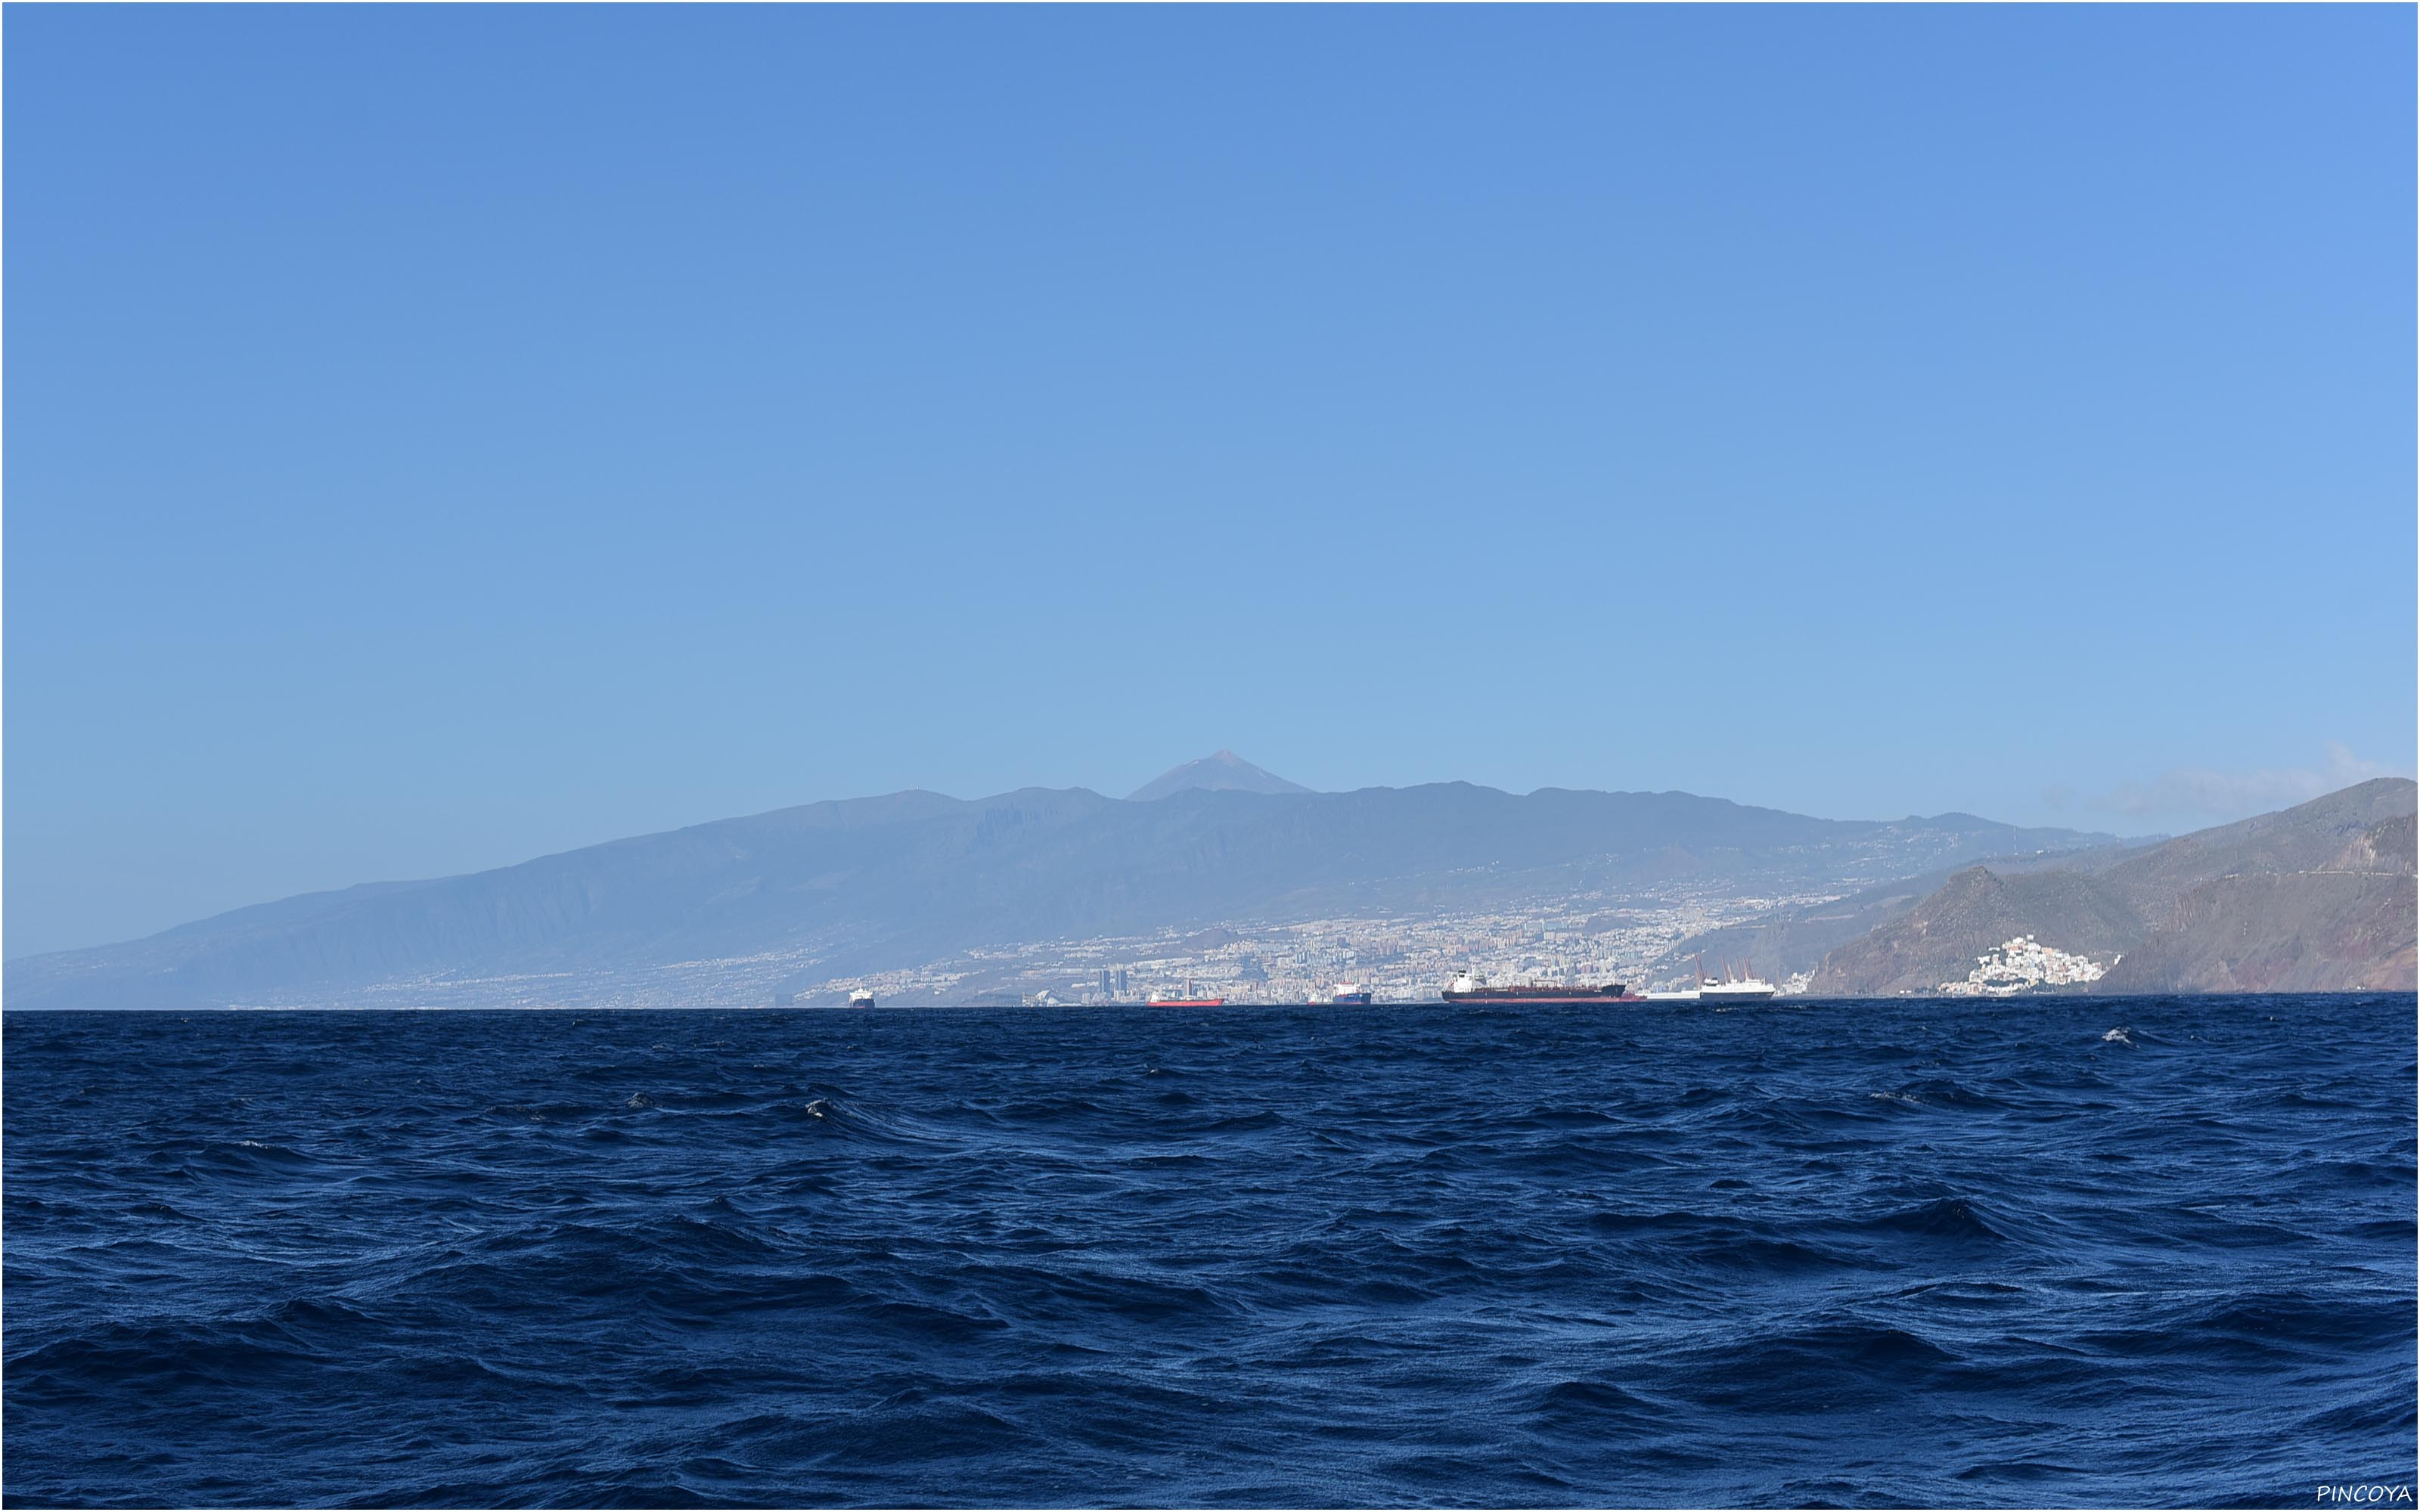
<point x="1351" y="994"/>
<point x="863" y="997"/>
<point x="1737" y="990"/>
<point x="1467" y="989"/>
<point x="1744" y="987"/>
<point x="1183" y="999"/>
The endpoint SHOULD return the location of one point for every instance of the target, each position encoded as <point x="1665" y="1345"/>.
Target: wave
<point x="1917" y="1253"/>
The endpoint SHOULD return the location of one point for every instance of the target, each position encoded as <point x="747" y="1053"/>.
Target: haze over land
<point x="1219" y="872"/>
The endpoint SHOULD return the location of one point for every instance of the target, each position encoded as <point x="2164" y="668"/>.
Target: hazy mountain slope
<point x="901" y="879"/>
<point x="1790" y="940"/>
<point x="2386" y="846"/>
<point x="2350" y="924"/>
<point x="2279" y="934"/>
<point x="790" y="879"/>
<point x="1219" y="772"/>
<point x="2305" y="838"/>
<point x="2314" y="898"/>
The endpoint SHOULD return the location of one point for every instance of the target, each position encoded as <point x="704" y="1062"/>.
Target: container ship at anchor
<point x="1466" y="989"/>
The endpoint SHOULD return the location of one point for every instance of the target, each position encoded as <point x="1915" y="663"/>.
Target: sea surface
<point x="2141" y="1252"/>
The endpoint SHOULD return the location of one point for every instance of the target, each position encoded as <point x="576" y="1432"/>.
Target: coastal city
<point x="1651" y="942"/>
<point x="1578" y="941"/>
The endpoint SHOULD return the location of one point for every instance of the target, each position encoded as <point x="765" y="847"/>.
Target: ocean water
<point x="2064" y="1252"/>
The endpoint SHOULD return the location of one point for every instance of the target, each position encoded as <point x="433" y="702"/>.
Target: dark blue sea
<point x="2149" y="1252"/>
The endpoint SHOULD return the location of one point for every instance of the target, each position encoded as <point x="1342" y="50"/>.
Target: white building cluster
<point x="2022" y="965"/>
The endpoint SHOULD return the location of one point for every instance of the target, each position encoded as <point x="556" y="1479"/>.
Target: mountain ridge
<point x="2271" y="902"/>
<point x="849" y="884"/>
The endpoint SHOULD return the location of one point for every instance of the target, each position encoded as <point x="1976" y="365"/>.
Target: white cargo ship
<point x="1736" y="990"/>
<point x="1741" y="986"/>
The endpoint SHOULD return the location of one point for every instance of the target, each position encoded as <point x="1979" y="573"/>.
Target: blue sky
<point x="440" y="436"/>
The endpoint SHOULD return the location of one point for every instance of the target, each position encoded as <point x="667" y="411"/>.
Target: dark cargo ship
<point x="1465" y="989"/>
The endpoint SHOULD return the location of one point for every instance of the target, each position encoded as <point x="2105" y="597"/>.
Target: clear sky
<point x="440" y="436"/>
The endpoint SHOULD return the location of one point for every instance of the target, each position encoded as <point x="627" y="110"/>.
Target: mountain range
<point x="868" y="884"/>
<point x="2316" y="898"/>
